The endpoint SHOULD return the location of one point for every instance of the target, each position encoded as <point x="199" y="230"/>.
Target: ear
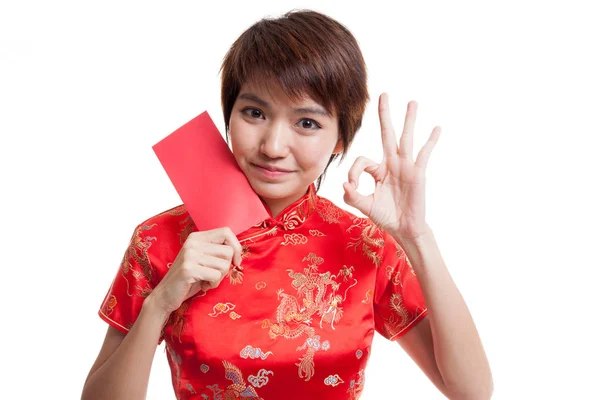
<point x="339" y="146"/>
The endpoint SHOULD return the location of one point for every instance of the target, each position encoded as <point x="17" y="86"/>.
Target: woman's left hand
<point x="398" y="203"/>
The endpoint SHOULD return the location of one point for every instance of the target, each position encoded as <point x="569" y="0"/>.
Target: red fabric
<point x="297" y="322"/>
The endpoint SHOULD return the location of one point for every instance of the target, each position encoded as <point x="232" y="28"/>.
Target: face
<point x="282" y="146"/>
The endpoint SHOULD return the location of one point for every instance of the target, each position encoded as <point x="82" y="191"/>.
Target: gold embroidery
<point x="294" y="239"/>
<point x="290" y="218"/>
<point x="260" y="285"/>
<point x="236" y="275"/>
<point x="399" y="318"/>
<point x="245" y="251"/>
<point x="316" y="232"/>
<point x="177" y="321"/>
<point x="254" y="352"/>
<point x="110" y="305"/>
<point x="190" y="388"/>
<point x="328" y="211"/>
<point x="175" y="211"/>
<point x="175" y="361"/>
<point x="333" y="380"/>
<point x="144" y="277"/>
<point x="233" y="315"/>
<point x="399" y="251"/>
<point x="298" y="214"/>
<point x="188" y="227"/>
<point x="369" y="239"/>
<point x="368" y="295"/>
<point x="293" y="219"/>
<point x="217" y="391"/>
<point x="356" y="385"/>
<point x="395" y="278"/>
<point x="221" y="308"/>
<point x="238" y="388"/>
<point x="317" y="294"/>
<point x="334" y="312"/>
<point x="261" y="378"/>
<point x="359" y="354"/>
<point x="346" y="272"/>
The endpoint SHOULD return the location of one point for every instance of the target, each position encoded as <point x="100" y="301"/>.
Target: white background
<point x="512" y="186"/>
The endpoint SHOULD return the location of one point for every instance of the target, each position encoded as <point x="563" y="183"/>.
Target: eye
<point x="252" y="112"/>
<point x="311" y="124"/>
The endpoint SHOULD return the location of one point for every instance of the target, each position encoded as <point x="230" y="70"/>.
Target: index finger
<point x="232" y="240"/>
<point x="388" y="136"/>
<point x="226" y="236"/>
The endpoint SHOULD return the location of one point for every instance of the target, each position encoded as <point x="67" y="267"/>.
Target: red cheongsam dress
<point x="296" y="322"/>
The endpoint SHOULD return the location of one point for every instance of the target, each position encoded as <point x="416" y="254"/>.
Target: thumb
<point x="197" y="287"/>
<point x="357" y="200"/>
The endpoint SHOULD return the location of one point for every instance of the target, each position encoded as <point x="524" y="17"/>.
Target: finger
<point x="196" y="287"/>
<point x="213" y="277"/>
<point x="225" y="236"/>
<point x="194" y="273"/>
<point x="206" y="286"/>
<point x="425" y="153"/>
<point x="357" y="200"/>
<point x="388" y="136"/>
<point x="217" y="250"/>
<point x="215" y="263"/>
<point x="202" y="244"/>
<point x="231" y="240"/>
<point x="361" y="164"/>
<point x="406" y="140"/>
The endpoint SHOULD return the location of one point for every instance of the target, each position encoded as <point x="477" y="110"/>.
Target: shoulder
<point x="174" y="219"/>
<point x="160" y="237"/>
<point x="330" y="213"/>
<point x="359" y="232"/>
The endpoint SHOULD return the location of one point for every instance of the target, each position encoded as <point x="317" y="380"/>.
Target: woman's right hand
<point x="203" y="261"/>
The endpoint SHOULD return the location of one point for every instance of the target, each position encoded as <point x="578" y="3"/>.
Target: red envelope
<point x="206" y="176"/>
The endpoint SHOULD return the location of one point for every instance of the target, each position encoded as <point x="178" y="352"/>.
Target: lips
<point x="272" y="168"/>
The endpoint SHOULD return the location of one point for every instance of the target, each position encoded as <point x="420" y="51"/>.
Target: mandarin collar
<point x="293" y="216"/>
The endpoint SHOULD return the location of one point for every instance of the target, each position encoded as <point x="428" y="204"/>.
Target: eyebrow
<point x="302" y="110"/>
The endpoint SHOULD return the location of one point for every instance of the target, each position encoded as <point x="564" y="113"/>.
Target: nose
<point x="275" y="141"/>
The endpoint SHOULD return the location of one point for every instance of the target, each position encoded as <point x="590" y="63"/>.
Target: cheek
<point x="239" y="142"/>
<point x="315" y="155"/>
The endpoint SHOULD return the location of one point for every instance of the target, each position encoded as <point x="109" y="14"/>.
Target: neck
<point x="276" y="206"/>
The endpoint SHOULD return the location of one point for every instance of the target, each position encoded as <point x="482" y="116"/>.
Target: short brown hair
<point x="307" y="53"/>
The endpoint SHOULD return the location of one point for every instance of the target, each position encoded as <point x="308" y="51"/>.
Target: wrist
<point x="151" y="306"/>
<point x="417" y="240"/>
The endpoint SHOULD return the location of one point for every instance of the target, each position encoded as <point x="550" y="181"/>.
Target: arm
<point x="122" y="368"/>
<point x="445" y="345"/>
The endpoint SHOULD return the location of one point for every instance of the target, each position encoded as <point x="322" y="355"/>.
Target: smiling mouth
<point x="270" y="172"/>
<point x="271" y="168"/>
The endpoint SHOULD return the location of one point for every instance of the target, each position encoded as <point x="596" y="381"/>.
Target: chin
<point x="272" y="190"/>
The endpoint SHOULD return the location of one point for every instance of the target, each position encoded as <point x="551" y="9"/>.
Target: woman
<point x="288" y="308"/>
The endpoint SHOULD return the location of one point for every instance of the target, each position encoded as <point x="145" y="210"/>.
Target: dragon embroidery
<point x="317" y="293"/>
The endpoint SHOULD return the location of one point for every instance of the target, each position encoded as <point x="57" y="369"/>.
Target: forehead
<point x="272" y="91"/>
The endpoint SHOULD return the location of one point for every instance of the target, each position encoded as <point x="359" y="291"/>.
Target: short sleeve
<point x="133" y="282"/>
<point x="398" y="301"/>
